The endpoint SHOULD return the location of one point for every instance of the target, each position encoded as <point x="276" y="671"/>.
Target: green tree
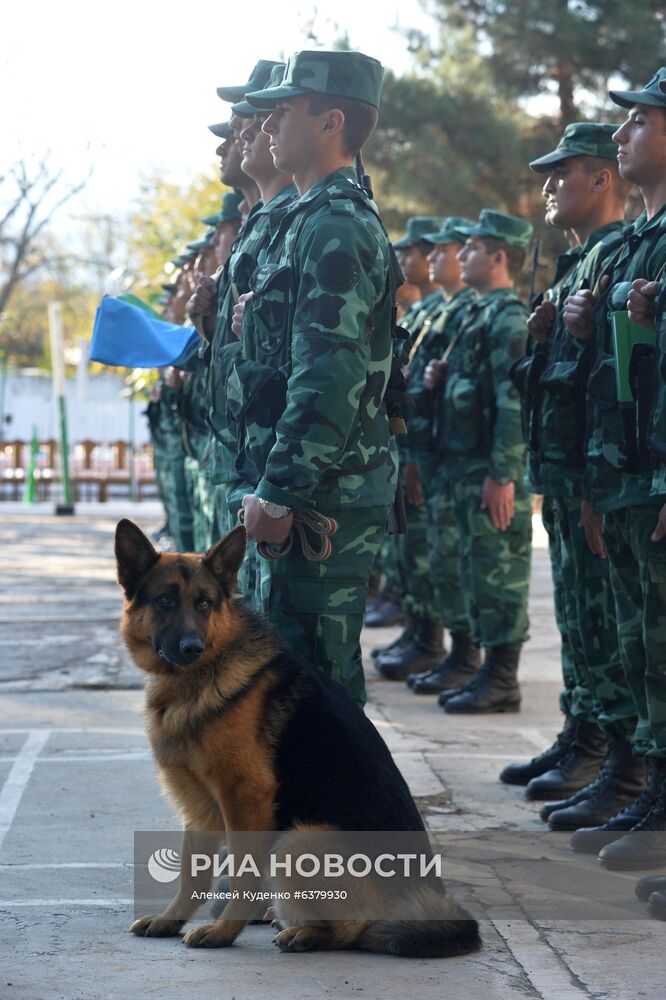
<point x="566" y="46"/>
<point x="167" y="217"/>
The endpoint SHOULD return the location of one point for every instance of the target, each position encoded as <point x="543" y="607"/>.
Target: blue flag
<point x="129" y="336"/>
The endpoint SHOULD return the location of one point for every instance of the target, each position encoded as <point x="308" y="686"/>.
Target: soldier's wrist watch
<point x="273" y="510"/>
<point x="503" y="480"/>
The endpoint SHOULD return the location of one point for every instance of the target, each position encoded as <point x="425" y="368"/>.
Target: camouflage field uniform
<point x="481" y="435"/>
<point x="624" y="490"/>
<point x="228" y="469"/>
<point x="169" y="456"/>
<point x="418" y="586"/>
<point x="309" y="390"/>
<point x="554" y="381"/>
<point x="196" y="443"/>
<point x="441" y="538"/>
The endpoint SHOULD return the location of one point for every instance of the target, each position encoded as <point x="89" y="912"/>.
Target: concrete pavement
<point x="77" y="779"/>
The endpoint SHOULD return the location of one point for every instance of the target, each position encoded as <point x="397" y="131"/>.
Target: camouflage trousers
<point x="638" y="579"/>
<point x="173" y="490"/>
<point x="494" y="565"/>
<point x="442" y="543"/>
<point x="595" y="687"/>
<point x="318" y="607"/>
<point x="200" y="492"/>
<point x="223" y="522"/>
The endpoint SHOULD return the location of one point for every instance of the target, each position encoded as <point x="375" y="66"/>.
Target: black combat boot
<point x="645" y="845"/>
<point x="578" y="768"/>
<point x="421" y="652"/>
<point x="657" y="905"/>
<point x="495" y="687"/>
<point x="405" y="636"/>
<point x="520" y="774"/>
<point x="620" y="781"/>
<point x="386" y="610"/>
<point x="590" y="840"/>
<point x="460" y="666"/>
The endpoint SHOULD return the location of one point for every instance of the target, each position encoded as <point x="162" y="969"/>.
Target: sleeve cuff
<point x="267" y="491"/>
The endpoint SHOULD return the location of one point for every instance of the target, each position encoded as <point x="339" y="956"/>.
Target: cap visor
<point x="627" y="98"/>
<point x="232" y="94"/>
<point x="244" y="110"/>
<point x="222" y="130"/>
<point x="541" y="165"/>
<point x="439" y="239"/>
<point x="212" y="220"/>
<point x="267" y="99"/>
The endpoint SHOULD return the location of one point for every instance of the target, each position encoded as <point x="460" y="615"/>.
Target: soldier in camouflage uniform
<point x="442" y="532"/>
<point x="316" y="358"/>
<point x="623" y="486"/>
<point x="584" y="195"/>
<point x="229" y="470"/>
<point x="484" y="457"/>
<point x="419" y="647"/>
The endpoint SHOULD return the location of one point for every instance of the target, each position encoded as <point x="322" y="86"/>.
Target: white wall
<point x="95" y="409"/>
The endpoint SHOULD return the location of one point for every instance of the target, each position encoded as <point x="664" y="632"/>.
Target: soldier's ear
<point x="135" y="555"/>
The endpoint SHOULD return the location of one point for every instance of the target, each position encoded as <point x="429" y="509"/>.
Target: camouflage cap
<point x="653" y="93"/>
<point x="184" y="258"/>
<point x="222" y="130"/>
<point x="258" y="79"/>
<point x="229" y="211"/>
<point x="454" y="230"/>
<point x="245" y="109"/>
<point x="339" y="74"/>
<point x="419" y="228"/>
<point x="205" y="241"/>
<point x="501" y="226"/>
<point x="580" y="139"/>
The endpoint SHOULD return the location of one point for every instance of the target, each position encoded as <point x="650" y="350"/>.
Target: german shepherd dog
<point x="248" y="737"/>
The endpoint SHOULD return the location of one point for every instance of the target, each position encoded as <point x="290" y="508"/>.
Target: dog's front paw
<point x="207" y="936"/>
<point x="298" y="939"/>
<point x="156" y="926"/>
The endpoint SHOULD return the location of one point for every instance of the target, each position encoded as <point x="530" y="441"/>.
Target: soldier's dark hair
<point x="515" y="256"/>
<point x="360" y="118"/>
<point x="621" y="188"/>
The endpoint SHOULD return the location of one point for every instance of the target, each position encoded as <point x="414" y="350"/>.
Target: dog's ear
<point x="225" y="558"/>
<point x="135" y="554"/>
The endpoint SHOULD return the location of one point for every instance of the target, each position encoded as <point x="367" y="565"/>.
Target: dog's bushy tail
<point x="429" y="926"/>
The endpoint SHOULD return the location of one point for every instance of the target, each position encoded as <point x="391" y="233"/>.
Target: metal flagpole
<point x="58" y="375"/>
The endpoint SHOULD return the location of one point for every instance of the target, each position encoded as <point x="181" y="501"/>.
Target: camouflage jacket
<point x="235" y="279"/>
<point x="479" y="424"/>
<point x="437" y="329"/>
<point x="553" y="380"/>
<point x="620" y="471"/>
<point x="310" y="382"/>
<point x="192" y="403"/>
<point x="658" y="421"/>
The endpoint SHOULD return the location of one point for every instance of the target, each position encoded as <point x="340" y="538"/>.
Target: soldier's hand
<point x="659" y="532"/>
<point x="173" y="378"/>
<point x="412" y="484"/>
<point x="499" y="501"/>
<point x="640" y="302"/>
<point x="204" y="300"/>
<point x="239" y="312"/>
<point x="260" y="526"/>
<point x="540" y="323"/>
<point x="577" y="314"/>
<point x="434" y="374"/>
<point x="592" y="524"/>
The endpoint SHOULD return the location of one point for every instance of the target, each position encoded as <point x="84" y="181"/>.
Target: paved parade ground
<point x="77" y="780"/>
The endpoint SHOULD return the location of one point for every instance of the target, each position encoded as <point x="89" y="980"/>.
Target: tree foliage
<point x="565" y="46"/>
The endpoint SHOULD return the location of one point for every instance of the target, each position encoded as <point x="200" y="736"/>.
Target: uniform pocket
<point x="464" y="414"/>
<point x="563" y="413"/>
<point x="270" y="308"/>
<point x="256" y="395"/>
<point x="614" y="436"/>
